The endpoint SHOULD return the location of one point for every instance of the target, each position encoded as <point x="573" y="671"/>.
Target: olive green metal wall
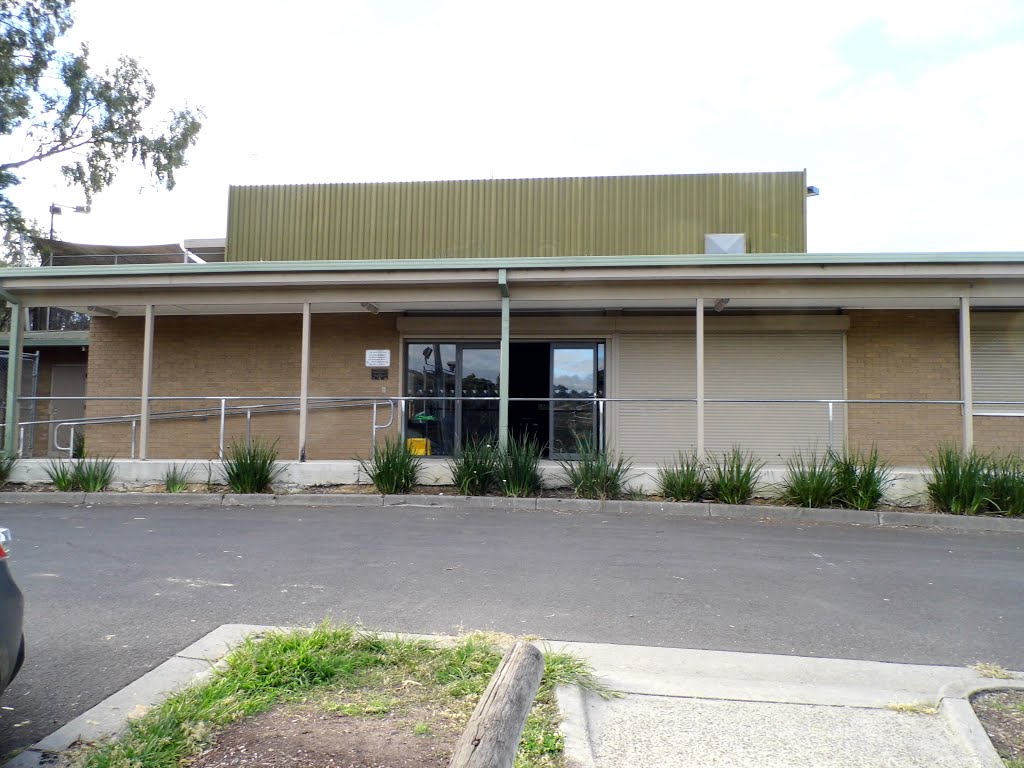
<point x="602" y="216"/>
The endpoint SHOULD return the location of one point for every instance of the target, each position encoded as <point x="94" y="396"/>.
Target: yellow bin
<point x="418" y="446"/>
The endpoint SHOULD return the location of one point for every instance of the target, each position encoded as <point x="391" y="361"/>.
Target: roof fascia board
<point x="536" y="262"/>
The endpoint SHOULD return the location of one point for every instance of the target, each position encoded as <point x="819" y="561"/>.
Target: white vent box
<point x="720" y="244"/>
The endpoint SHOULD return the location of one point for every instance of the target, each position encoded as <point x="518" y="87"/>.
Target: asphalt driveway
<point x="112" y="592"/>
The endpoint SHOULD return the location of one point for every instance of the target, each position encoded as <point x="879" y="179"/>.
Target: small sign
<point x="378" y="358"/>
<point x="379" y="374"/>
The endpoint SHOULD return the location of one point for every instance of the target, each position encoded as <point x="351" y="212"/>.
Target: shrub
<point x="518" y="472"/>
<point x="474" y="471"/>
<point x="93" y="474"/>
<point x="733" y="476"/>
<point x="809" y="481"/>
<point x="176" y="479"/>
<point x="596" y="474"/>
<point x="1006" y="485"/>
<point x="393" y="468"/>
<point x="960" y="481"/>
<point x="7" y="462"/>
<point x="861" y="478"/>
<point x="683" y="481"/>
<point x="61" y="474"/>
<point x="250" y="468"/>
<point x="78" y="443"/>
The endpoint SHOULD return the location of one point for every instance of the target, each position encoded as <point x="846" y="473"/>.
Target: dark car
<point x="12" y="605"/>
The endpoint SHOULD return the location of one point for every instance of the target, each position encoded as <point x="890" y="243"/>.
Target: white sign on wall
<point x="378" y="358"/>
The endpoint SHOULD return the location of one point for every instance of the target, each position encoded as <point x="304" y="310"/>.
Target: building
<point x="652" y="315"/>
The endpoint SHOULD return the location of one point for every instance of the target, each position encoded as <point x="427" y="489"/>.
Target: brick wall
<point x="242" y="355"/>
<point x="903" y="355"/>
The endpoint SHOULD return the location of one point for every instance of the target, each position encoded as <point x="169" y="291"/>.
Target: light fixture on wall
<point x="721" y="304"/>
<point x="373" y="309"/>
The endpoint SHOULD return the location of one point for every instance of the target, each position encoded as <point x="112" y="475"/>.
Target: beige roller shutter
<point x="783" y="365"/>
<point x="654" y="366"/>
<point x="997" y="363"/>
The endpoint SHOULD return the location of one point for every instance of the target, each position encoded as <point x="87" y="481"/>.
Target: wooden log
<point x="493" y="732"/>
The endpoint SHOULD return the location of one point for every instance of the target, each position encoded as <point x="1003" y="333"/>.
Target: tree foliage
<point x="95" y="122"/>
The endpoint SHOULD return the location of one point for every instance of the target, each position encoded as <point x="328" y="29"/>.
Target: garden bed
<point x="1002" y="715"/>
<point x="337" y="696"/>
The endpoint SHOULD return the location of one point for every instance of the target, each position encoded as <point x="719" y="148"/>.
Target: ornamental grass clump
<point x="393" y="468"/>
<point x="596" y="474"/>
<point x="861" y="478"/>
<point x="809" y="481"/>
<point x="519" y="467"/>
<point x="92" y="474"/>
<point x="7" y="462"/>
<point x="176" y="479"/>
<point x="61" y="474"/>
<point x="250" y="468"/>
<point x="733" y="476"/>
<point x="960" y="482"/>
<point x="1006" y="485"/>
<point x="686" y="480"/>
<point x="475" y="469"/>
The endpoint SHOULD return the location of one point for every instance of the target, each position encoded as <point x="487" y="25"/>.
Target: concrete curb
<point x="955" y="706"/>
<point x="981" y="523"/>
<point x="575" y="727"/>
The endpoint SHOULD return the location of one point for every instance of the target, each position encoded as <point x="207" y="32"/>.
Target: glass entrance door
<point x="478" y="377"/>
<point x="576" y="379"/>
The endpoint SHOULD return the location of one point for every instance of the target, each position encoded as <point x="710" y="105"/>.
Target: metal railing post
<point x="830" y="427"/>
<point x="21" y="442"/>
<point x="223" y="408"/>
<point x="133" y="439"/>
<point x="71" y="443"/>
<point x="248" y="427"/>
<point x="373" y="430"/>
<point x="600" y="425"/>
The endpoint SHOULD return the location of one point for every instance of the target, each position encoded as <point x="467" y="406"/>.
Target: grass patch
<point x="994" y="671"/>
<point x="861" y="478"/>
<point x="349" y="672"/>
<point x="518" y="467"/>
<point x="914" y="708"/>
<point x="176" y="479"/>
<point x="475" y="470"/>
<point x="733" y="476"/>
<point x="960" y="481"/>
<point x="685" y="480"/>
<point x="596" y="474"/>
<point x="393" y="468"/>
<point x="809" y="481"/>
<point x="250" y="468"/>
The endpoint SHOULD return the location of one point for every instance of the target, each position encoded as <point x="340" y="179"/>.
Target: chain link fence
<point x="27" y="409"/>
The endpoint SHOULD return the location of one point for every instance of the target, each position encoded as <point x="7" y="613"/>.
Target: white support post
<point x="304" y="381"/>
<point x="966" y="377"/>
<point x="15" y="348"/>
<point x="503" y="362"/>
<point x="147" y="379"/>
<point x="700" y="378"/>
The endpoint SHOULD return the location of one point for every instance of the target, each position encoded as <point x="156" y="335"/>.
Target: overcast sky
<point x="908" y="115"/>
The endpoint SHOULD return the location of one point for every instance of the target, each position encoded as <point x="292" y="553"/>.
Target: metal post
<point x="830" y="427"/>
<point x="14" y="349"/>
<point x="133" y="439"/>
<point x="248" y="427"/>
<point x="147" y="382"/>
<point x="21" y="442"/>
<point x="966" y="376"/>
<point x="223" y="408"/>
<point x="503" y="364"/>
<point x="700" y="378"/>
<point x="304" y="382"/>
<point x="373" y="430"/>
<point x="71" y="443"/>
<point x="600" y="425"/>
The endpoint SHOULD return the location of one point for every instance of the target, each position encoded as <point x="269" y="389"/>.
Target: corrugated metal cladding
<point x="601" y="216"/>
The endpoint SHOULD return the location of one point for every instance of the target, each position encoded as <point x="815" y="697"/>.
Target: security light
<point x="720" y="304"/>
<point x="373" y="309"/>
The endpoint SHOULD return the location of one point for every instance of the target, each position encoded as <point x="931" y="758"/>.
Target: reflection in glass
<point x="574" y="381"/>
<point x="480" y="368"/>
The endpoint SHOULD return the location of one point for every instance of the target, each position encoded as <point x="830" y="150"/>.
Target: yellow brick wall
<point x="240" y="355"/>
<point x="903" y="355"/>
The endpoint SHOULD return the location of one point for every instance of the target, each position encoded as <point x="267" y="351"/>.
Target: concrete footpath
<point x="677" y="707"/>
